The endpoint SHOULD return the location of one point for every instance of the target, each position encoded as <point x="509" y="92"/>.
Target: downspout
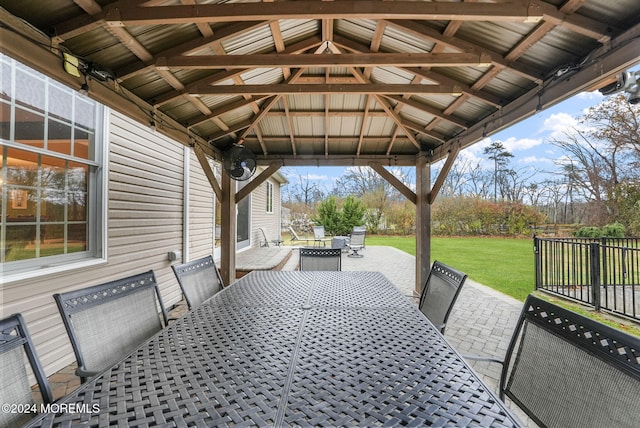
<point x="186" y="200"/>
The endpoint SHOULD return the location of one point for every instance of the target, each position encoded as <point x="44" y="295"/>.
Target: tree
<point x="375" y="192"/>
<point x="602" y="158"/>
<point x="513" y="183"/>
<point x="478" y="182"/>
<point x="327" y="215"/>
<point x="352" y="214"/>
<point x="304" y="191"/>
<point x="617" y="122"/>
<point x="339" y="221"/>
<point x="456" y="180"/>
<point x="498" y="153"/>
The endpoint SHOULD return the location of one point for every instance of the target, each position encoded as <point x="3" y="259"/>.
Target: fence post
<point x="536" y="259"/>
<point x="594" y="250"/>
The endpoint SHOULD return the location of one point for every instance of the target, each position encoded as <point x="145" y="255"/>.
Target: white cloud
<point x="317" y="177"/>
<point x="535" y="160"/>
<point x="514" y="144"/>
<point x="590" y="96"/>
<point x="470" y="155"/>
<point x="559" y="124"/>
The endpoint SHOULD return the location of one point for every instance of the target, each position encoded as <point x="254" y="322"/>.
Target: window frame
<point x="97" y="186"/>
<point x="270" y="190"/>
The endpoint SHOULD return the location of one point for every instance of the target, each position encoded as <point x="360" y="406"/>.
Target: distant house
<point x="90" y="195"/>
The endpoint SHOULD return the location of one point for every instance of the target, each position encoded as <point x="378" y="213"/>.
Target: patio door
<point x="243" y="220"/>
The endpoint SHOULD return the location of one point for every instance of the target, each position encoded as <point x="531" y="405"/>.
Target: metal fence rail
<point x="604" y="273"/>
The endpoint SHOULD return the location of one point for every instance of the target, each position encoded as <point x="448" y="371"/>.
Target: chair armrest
<point x="482" y="358"/>
<point x="85" y="374"/>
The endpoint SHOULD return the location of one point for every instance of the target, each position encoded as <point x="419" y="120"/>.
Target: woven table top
<point x="296" y="348"/>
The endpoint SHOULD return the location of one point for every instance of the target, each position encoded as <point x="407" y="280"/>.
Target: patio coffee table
<point x="281" y="348"/>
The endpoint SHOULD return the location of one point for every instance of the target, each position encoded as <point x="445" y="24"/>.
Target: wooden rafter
<point x="386" y="106"/>
<point x="518" y="11"/>
<point x="293" y="89"/>
<point x="363" y="125"/>
<point x="269" y="104"/>
<point x="137" y="68"/>
<point x="221" y="76"/>
<point x="451" y="42"/>
<point x="202" y="62"/>
<point x="292" y="137"/>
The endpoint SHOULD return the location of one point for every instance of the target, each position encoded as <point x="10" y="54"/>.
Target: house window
<point x="51" y="159"/>
<point x="269" y="197"/>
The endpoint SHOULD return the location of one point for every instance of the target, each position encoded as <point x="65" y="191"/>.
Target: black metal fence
<point x="604" y="273"/>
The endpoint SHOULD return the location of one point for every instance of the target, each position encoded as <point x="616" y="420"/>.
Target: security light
<point x="625" y="82"/>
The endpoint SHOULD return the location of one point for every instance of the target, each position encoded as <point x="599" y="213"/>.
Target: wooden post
<point x="423" y="221"/>
<point x="228" y="230"/>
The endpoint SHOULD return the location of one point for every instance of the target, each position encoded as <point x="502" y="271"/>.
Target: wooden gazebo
<point x="376" y="83"/>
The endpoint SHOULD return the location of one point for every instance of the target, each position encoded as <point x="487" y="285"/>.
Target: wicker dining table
<point x="291" y="349"/>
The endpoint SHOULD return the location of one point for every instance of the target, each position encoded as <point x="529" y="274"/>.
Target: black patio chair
<point x="440" y="292"/>
<point x="15" y="387"/>
<point x="320" y="259"/>
<point x="107" y="321"/>
<point x="199" y="280"/>
<point x="566" y="370"/>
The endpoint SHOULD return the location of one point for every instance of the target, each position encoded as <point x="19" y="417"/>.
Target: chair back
<point x="106" y="322"/>
<point x="264" y="242"/>
<point x="294" y="235"/>
<point x="440" y="293"/>
<point x="15" y="388"/>
<point x="199" y="280"/>
<point x="320" y="259"/>
<point x="566" y="370"/>
<point x="357" y="238"/>
<point x="318" y="232"/>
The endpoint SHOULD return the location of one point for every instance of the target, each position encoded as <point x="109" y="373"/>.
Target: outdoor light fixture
<point x="79" y="67"/>
<point x="625" y="82"/>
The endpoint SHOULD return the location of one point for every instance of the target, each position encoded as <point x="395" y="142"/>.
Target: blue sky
<point x="528" y="141"/>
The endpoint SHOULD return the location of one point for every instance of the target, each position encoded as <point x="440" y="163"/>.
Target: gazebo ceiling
<point x="335" y="82"/>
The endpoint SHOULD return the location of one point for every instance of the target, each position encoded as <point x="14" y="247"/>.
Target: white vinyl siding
<point x="145" y="202"/>
<point x="270" y="221"/>
<point x="201" y="212"/>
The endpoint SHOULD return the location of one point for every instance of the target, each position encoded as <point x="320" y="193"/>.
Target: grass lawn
<point x="504" y="264"/>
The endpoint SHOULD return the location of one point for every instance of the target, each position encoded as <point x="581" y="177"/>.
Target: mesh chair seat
<point x="566" y="370"/>
<point x="199" y="280"/>
<point x="15" y="388"/>
<point x="440" y="293"/>
<point x="320" y="259"/>
<point x="107" y="321"/>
